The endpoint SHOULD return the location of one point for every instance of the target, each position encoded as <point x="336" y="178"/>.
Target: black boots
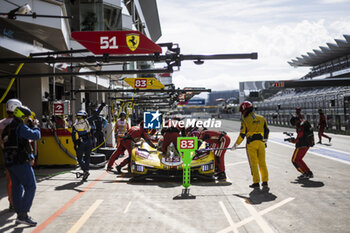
<point x="254" y="185"/>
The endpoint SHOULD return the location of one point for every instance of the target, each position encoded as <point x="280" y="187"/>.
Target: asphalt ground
<point x="112" y="203"/>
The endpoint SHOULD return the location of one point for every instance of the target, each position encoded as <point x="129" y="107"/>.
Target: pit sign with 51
<point x="116" y="42"/>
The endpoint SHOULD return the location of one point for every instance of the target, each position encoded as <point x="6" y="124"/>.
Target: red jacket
<point x="322" y="121"/>
<point x="136" y="133"/>
<point x="305" y="135"/>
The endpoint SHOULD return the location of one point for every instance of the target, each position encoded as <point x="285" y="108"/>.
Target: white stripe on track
<point x="317" y="154"/>
<point x="127" y="207"/>
<point x="85" y="217"/>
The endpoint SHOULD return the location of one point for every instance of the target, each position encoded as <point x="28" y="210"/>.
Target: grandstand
<point x="327" y="63"/>
<point x="228" y="94"/>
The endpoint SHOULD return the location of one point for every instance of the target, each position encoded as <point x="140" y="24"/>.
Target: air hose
<point x="59" y="142"/>
<point x="11" y="82"/>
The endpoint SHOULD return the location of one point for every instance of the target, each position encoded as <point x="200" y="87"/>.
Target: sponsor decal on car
<point x="142" y="154"/>
<point x="172" y="161"/>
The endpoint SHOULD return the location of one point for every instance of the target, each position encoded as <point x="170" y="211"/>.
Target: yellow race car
<point x="149" y="162"/>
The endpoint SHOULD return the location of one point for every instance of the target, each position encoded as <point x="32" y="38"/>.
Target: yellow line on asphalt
<point x="85" y="217"/>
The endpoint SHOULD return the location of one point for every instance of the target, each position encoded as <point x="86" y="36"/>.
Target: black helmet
<point x="122" y="114"/>
<point x="293" y="120"/>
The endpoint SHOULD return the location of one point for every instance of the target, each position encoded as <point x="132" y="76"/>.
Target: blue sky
<point x="279" y="30"/>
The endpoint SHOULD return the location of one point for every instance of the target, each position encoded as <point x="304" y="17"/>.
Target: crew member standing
<point x="121" y="128"/>
<point x="304" y="140"/>
<point x="217" y="140"/>
<point x="19" y="159"/>
<point x="255" y="128"/>
<point x="82" y="139"/>
<point x="100" y="123"/>
<point x="322" y="124"/>
<point x="11" y="105"/>
<point x="133" y="135"/>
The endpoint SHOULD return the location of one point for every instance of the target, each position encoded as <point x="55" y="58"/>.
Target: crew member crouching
<point x="217" y="140"/>
<point x="171" y="133"/>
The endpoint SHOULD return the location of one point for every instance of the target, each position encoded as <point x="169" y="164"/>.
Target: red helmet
<point x="244" y="106"/>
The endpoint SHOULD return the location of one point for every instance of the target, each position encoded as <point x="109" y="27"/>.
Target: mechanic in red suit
<point x="133" y="135"/>
<point x="217" y="140"/>
<point x="192" y="132"/>
<point x="322" y="124"/>
<point x="171" y="133"/>
<point x="303" y="141"/>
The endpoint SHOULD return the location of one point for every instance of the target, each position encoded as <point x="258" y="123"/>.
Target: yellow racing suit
<point x="255" y="128"/>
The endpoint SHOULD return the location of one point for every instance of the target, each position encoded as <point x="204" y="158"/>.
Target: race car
<point x="146" y="161"/>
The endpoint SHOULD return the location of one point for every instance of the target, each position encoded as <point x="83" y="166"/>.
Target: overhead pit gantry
<point x="131" y="46"/>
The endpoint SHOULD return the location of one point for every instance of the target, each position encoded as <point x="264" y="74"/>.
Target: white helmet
<point x="12" y="104"/>
<point x="82" y="113"/>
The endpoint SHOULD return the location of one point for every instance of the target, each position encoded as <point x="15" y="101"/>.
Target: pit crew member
<point x="121" y="128"/>
<point x="217" y="140"/>
<point x="255" y="128"/>
<point x="171" y="133"/>
<point x="322" y="124"/>
<point x="127" y="142"/>
<point x="11" y="105"/>
<point x="19" y="160"/>
<point x="303" y="141"/>
<point x="82" y="139"/>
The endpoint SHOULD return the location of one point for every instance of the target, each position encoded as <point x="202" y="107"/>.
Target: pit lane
<point x="112" y="203"/>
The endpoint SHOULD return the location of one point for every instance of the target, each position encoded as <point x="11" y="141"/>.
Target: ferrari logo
<point x="132" y="40"/>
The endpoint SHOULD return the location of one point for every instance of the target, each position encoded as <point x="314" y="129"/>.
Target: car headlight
<point x="208" y="167"/>
<point x="137" y="167"/>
